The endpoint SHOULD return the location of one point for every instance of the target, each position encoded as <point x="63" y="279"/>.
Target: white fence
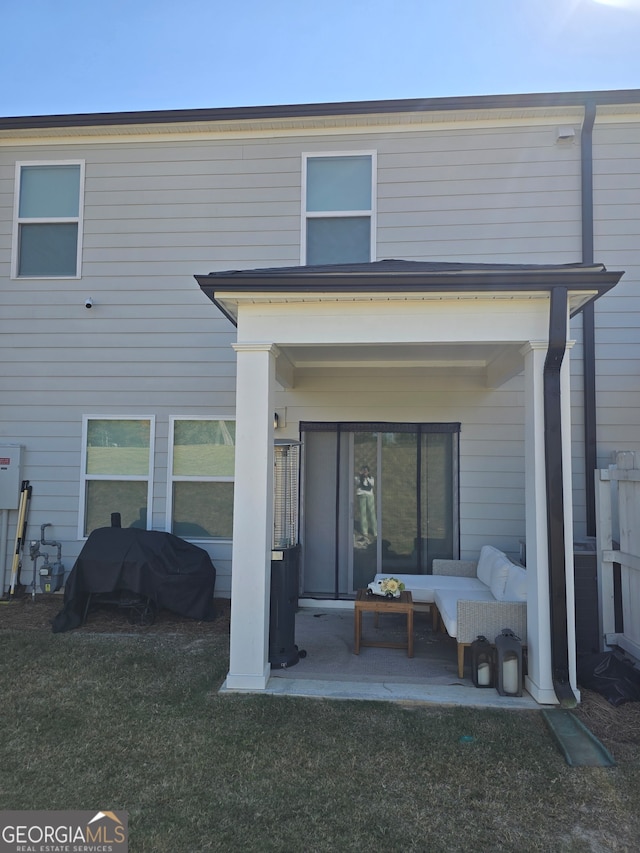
<point x="618" y="520"/>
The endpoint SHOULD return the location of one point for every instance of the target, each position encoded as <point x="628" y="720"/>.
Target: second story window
<point x="48" y="221"/>
<point x="338" y="209"/>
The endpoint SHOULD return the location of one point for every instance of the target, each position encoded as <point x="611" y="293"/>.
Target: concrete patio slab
<point x="331" y="670"/>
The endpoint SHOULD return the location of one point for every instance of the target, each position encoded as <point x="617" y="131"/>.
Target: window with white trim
<point x="201" y="472"/>
<point x="47" y="240"/>
<point x="338" y="208"/>
<point x="117" y="472"/>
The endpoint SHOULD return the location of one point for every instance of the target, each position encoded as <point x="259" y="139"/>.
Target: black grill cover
<point x="173" y="573"/>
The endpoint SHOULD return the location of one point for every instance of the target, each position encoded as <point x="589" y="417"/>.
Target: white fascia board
<point x="335" y="319"/>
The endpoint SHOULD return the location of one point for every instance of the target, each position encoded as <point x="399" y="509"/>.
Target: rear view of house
<point x="439" y="299"/>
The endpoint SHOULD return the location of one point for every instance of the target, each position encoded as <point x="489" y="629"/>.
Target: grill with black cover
<point x="159" y="567"/>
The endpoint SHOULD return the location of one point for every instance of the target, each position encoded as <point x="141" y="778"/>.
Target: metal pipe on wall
<point x="588" y="319"/>
<point x="554" y="474"/>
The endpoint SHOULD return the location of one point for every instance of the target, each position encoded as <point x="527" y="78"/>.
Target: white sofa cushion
<point x="423" y="587"/>
<point x="493" y="570"/>
<point x="447" y="604"/>
<point x="516" y="587"/>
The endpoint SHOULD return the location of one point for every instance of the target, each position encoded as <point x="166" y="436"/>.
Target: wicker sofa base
<point x="514" y="618"/>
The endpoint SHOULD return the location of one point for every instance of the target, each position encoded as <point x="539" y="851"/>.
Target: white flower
<point x="391" y="586"/>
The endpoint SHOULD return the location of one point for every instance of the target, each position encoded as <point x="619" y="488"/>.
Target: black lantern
<point x="482" y="662"/>
<point x="509" y="664"/>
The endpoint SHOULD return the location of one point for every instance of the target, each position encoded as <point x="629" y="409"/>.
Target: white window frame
<point x="328" y="214"/>
<point x="34" y="220"/>
<point x="85" y="478"/>
<point x="178" y="478"/>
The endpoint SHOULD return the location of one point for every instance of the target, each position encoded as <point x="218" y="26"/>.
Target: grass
<point x="95" y="721"/>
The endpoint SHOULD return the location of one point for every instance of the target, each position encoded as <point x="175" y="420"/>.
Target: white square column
<point x="539" y="681"/>
<point x="249" y="667"/>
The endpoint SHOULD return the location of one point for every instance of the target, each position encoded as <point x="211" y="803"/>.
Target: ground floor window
<point x="376" y="498"/>
<point x="117" y="465"/>
<point x="201" y="475"/>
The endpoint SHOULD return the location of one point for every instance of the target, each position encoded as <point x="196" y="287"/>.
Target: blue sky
<point x="67" y="56"/>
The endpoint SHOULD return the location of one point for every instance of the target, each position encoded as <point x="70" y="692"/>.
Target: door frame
<point x="346" y="503"/>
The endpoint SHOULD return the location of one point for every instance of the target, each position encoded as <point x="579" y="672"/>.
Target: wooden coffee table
<point x="377" y="604"/>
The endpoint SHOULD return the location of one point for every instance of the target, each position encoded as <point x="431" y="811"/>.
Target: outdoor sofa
<point x="473" y="598"/>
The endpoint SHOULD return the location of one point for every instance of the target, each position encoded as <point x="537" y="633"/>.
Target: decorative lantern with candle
<point x="509" y="664"/>
<point x="482" y="662"/>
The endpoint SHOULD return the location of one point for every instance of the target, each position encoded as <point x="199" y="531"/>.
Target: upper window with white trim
<point x="338" y="208"/>
<point x="48" y="219"/>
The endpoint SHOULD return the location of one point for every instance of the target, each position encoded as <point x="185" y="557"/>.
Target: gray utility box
<point x="10" y="475"/>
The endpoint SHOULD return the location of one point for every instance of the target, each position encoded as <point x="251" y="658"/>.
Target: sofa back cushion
<point x="493" y="570"/>
<point x="516" y="587"/>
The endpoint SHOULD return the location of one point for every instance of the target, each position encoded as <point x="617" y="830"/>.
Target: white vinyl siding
<point x="117" y="471"/>
<point x="616" y="192"/>
<point x="47" y="237"/>
<point x="338" y="208"/>
<point x="201" y="475"/>
<point x="616" y="185"/>
<point x="490" y="195"/>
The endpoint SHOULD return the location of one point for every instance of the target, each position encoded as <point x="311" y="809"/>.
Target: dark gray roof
<point x="284" y="111"/>
<point x="399" y="267"/>
<point x="417" y="275"/>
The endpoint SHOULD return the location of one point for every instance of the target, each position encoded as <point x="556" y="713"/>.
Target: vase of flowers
<point x="387" y="587"/>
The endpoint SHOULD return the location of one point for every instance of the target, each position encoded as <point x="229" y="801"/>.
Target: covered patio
<point x="330" y="669"/>
<point x="301" y="330"/>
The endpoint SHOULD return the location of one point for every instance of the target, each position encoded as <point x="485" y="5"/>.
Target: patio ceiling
<point x="490" y="363"/>
<point x="429" y="355"/>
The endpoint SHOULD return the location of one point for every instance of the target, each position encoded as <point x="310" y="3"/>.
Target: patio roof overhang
<point x="395" y="279"/>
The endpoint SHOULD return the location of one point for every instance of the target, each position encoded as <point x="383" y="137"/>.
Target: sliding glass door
<point x="376" y="498"/>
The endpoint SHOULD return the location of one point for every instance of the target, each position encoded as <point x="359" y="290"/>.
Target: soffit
<point x="329" y="117"/>
<point x="230" y="303"/>
<point x="369" y="123"/>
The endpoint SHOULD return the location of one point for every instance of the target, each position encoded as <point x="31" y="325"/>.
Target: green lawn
<point x="98" y="721"/>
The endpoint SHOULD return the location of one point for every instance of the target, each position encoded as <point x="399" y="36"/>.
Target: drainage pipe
<point x="336" y="549"/>
<point x="554" y="472"/>
<point x="588" y="319"/>
<point x="553" y="424"/>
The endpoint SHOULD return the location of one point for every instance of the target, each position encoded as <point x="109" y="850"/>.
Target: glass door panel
<point x="325" y="521"/>
<point x="364" y="476"/>
<point x="376" y="500"/>
<point x="398" y="502"/>
<point x="437" y="497"/>
<point x="385" y="528"/>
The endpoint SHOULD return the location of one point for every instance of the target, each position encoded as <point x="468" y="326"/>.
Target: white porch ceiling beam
<point x="285" y="371"/>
